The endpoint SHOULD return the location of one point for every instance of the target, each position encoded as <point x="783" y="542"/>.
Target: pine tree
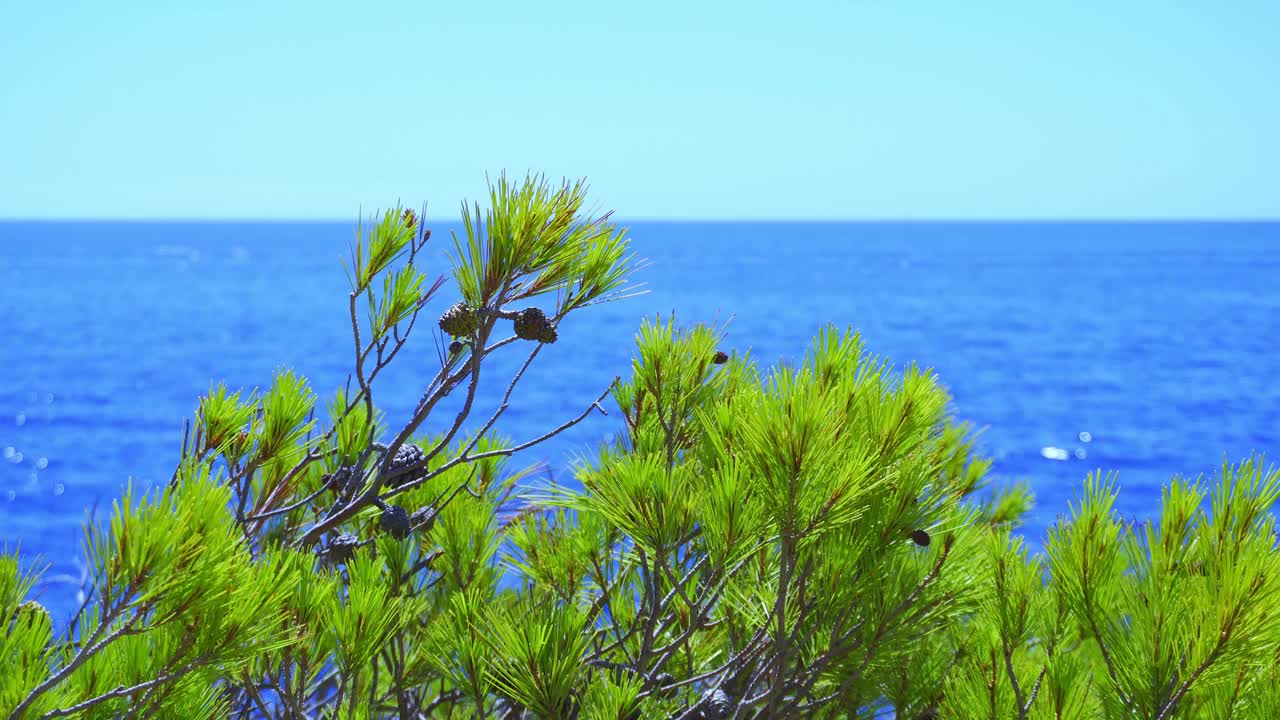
<point x="807" y="540"/>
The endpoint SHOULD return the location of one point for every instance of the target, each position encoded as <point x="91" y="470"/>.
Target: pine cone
<point x="406" y="455"/>
<point x="532" y="324"/>
<point x="720" y="357"/>
<point x="456" y="347"/>
<point x="920" y="537"/>
<point x="342" y="479"/>
<point x="460" y="320"/>
<point x="423" y="518"/>
<point x="31" y="614"/>
<point x="395" y="520"/>
<point x="342" y="547"/>
<point x="410" y="218"/>
<point x="31" y="620"/>
<point x="660" y="681"/>
<point x="716" y="705"/>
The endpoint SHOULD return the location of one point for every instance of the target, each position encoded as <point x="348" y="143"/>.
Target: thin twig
<point x="92" y="647"/>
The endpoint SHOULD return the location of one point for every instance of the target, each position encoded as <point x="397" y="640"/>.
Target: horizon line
<point x="1148" y="220"/>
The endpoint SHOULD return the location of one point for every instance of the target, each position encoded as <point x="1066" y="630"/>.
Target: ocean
<point x="1147" y="349"/>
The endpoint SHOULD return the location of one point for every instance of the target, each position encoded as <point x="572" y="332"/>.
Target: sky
<point x="671" y="110"/>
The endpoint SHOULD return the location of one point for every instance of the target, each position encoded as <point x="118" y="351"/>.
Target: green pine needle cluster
<point x="802" y="541"/>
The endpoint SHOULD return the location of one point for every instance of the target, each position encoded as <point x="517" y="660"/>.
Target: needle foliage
<point x="801" y="541"/>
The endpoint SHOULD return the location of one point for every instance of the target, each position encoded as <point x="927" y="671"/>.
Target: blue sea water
<point x="1150" y="349"/>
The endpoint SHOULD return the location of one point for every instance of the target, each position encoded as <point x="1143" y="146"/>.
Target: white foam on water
<point x="1054" y="453"/>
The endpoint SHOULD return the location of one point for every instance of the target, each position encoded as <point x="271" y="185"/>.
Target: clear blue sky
<point x="889" y="109"/>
